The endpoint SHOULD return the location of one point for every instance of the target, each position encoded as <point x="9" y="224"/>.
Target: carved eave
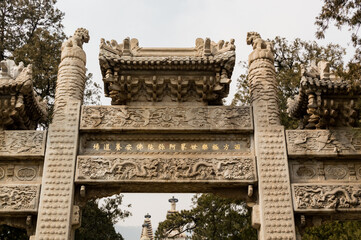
<point x="325" y="101"/>
<point x="20" y="107"/>
<point x="167" y="74"/>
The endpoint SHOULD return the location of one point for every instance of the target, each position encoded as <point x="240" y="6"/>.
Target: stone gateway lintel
<point x="170" y="169"/>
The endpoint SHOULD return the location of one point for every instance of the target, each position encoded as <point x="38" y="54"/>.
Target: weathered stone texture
<point x="275" y="199"/>
<point x="22" y="143"/>
<point x="322" y="171"/>
<point x="168" y="118"/>
<point x="324" y="100"/>
<point x="56" y="203"/>
<point x="329" y="197"/>
<point x="345" y="142"/>
<point x="20" y="106"/>
<point x="166" y="168"/>
<point x="15" y="198"/>
<point x="12" y="171"/>
<point x="200" y="74"/>
<point x="274" y="184"/>
<point x="54" y="218"/>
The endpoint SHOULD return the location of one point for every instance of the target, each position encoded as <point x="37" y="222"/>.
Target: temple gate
<point x="168" y="131"/>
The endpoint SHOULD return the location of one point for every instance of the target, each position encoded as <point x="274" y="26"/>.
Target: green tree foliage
<point x="97" y="222"/>
<point x="212" y="218"/>
<point x="343" y="13"/>
<point x="92" y="91"/>
<point x="11" y="233"/>
<point x="31" y="32"/>
<point x="349" y="230"/>
<point x="289" y="56"/>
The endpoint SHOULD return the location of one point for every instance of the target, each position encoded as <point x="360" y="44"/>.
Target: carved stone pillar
<point x="276" y="219"/>
<point x="57" y="192"/>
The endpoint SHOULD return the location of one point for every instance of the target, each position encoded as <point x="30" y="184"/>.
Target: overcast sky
<point x="177" y="23"/>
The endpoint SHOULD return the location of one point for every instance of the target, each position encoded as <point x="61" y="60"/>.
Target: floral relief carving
<point x="308" y="197"/>
<point x="112" y="117"/>
<point x="26" y="174"/>
<point x="306" y="172"/>
<point x="336" y="172"/>
<point x="142" y="168"/>
<point x="21" y="170"/>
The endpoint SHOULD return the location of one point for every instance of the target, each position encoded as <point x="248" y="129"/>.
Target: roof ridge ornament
<point x="262" y="49"/>
<point x="151" y="75"/>
<point x="324" y="100"/>
<point x="21" y="108"/>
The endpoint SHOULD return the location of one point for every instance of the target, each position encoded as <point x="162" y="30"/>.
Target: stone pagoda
<point x="147" y="230"/>
<point x="175" y="233"/>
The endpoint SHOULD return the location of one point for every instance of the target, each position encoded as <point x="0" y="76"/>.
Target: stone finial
<point x="261" y="49"/>
<point x="10" y="70"/>
<point x="262" y="81"/>
<point x="324" y="69"/>
<point x="173" y="202"/>
<point x="80" y="37"/>
<point x="71" y="74"/>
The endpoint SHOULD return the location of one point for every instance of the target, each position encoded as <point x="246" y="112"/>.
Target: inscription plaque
<point x="103" y="144"/>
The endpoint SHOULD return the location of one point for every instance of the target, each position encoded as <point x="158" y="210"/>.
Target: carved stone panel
<point x="326" y="170"/>
<point x="217" y="144"/>
<point x="326" y="197"/>
<point x="171" y="118"/>
<point x="324" y="142"/>
<point x="166" y="169"/>
<point x="19" y="198"/>
<point x="304" y="172"/>
<point x="20" y="171"/>
<point x="22" y="143"/>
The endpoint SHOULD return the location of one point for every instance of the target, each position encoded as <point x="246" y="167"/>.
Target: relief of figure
<point x="126" y="170"/>
<point x="196" y="117"/>
<point x="122" y="116"/>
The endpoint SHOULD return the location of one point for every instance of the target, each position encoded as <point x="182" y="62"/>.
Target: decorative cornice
<point x="21" y="108"/>
<point x="324" y="101"/>
<point x="136" y="74"/>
